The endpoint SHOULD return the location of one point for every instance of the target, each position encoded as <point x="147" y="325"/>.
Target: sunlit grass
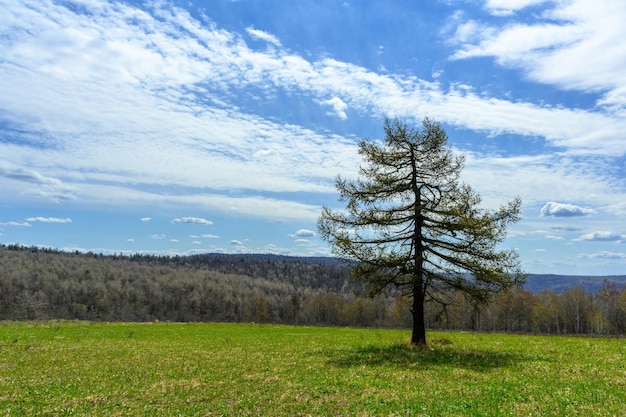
<point x="76" y="368"/>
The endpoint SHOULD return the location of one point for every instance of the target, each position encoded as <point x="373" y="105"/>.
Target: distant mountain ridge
<point x="559" y="283"/>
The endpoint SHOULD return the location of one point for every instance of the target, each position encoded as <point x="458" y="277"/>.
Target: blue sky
<point x="180" y="127"/>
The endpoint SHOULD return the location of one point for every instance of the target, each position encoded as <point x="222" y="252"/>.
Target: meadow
<point x="197" y="369"/>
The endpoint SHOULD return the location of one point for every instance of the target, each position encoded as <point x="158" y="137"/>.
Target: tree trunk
<point x="419" y="329"/>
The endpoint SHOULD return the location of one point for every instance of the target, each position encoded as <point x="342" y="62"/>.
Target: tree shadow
<point x="436" y="353"/>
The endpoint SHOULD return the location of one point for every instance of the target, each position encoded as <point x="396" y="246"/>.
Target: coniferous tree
<point x="410" y="222"/>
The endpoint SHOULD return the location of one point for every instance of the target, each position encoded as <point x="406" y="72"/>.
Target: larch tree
<point x="410" y="222"/>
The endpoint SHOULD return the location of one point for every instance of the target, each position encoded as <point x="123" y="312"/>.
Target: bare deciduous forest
<point x="40" y="283"/>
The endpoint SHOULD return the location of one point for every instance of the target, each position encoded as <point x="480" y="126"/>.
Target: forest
<point x="38" y="283"/>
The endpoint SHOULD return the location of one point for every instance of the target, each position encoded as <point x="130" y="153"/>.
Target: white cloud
<point x="618" y="209"/>
<point x="44" y="187"/>
<point x="601" y="236"/>
<point x="192" y="220"/>
<point x="166" y="80"/>
<point x="264" y="36"/>
<point x="304" y="233"/>
<point x="49" y="219"/>
<point x="15" y="224"/>
<point x="468" y="32"/>
<point x="508" y="7"/>
<point x="339" y="107"/>
<point x="236" y="242"/>
<point x="564" y="210"/>
<point x="207" y="236"/>
<point x="606" y="255"/>
<point x="557" y="47"/>
<point x="541" y="178"/>
<point x="254" y="206"/>
<point x="146" y="219"/>
<point x="141" y="95"/>
<point x="158" y="236"/>
<point x="566" y="228"/>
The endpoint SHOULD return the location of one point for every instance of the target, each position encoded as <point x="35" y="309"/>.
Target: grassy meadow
<point x="173" y="369"/>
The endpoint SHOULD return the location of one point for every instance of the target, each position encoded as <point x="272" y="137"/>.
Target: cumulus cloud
<point x="339" y="107"/>
<point x="207" y="236"/>
<point x="236" y="242"/>
<point x="49" y="219"/>
<point x="601" y="236"/>
<point x="304" y="233"/>
<point x="146" y="219"/>
<point x="192" y="220"/>
<point x="564" y="210"/>
<point x="158" y="236"/>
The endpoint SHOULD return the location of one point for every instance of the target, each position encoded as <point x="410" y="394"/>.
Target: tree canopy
<point x="410" y="222"/>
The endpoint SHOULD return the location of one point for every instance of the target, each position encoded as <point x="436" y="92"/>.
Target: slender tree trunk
<point x="419" y="329"/>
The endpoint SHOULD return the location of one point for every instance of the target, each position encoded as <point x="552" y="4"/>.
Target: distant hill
<point x="559" y="283"/>
<point x="535" y="282"/>
<point x="44" y="283"/>
<point x="317" y="271"/>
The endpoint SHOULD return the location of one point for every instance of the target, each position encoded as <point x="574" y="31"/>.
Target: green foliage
<point x="410" y="222"/>
<point x="160" y="369"/>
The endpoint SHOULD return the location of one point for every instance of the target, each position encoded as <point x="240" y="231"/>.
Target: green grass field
<point x="163" y="369"/>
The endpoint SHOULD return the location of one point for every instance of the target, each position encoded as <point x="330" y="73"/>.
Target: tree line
<point x="40" y="283"/>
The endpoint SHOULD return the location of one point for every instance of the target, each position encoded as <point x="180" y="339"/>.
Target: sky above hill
<point x="180" y="127"/>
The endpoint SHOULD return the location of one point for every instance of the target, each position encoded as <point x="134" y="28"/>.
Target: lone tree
<point x="410" y="222"/>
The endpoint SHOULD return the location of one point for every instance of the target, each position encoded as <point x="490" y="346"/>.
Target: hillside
<point x="337" y="271"/>
<point x="40" y="283"/>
